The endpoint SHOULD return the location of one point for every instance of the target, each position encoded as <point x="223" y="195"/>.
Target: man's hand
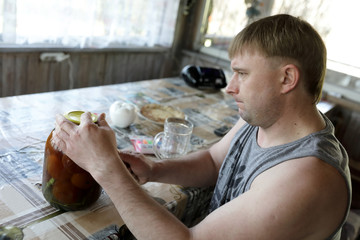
<point x="139" y="166"/>
<point x="92" y="146"/>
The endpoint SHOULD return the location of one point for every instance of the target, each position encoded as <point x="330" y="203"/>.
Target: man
<point x="280" y="173"/>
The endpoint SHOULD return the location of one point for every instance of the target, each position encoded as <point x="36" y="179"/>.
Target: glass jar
<point x="65" y="185"/>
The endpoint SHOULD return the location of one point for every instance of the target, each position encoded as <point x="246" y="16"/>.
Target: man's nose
<point x="232" y="87"/>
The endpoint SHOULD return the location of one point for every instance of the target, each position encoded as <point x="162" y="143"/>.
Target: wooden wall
<point x="24" y="73"/>
<point x="201" y="59"/>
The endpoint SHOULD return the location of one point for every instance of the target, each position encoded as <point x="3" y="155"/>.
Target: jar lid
<point x="74" y="116"/>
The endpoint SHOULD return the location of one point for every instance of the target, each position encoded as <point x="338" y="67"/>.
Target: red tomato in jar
<point x="70" y="166"/>
<point x="54" y="166"/>
<point x="65" y="192"/>
<point x="82" y="180"/>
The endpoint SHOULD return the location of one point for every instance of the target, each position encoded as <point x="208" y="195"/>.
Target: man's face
<point x="255" y="86"/>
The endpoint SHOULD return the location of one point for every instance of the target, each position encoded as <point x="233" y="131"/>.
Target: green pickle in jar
<point x="65" y="185"/>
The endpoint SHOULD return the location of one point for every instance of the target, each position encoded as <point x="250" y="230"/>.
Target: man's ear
<point x="290" y="78"/>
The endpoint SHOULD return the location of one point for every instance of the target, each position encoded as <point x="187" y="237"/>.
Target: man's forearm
<point x="143" y="216"/>
<point x="196" y="170"/>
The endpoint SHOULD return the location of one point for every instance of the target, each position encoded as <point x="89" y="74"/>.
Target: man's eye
<point x="239" y="74"/>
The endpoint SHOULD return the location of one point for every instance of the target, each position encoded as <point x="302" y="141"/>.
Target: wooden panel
<point x="8" y="75"/>
<point x="108" y="68"/>
<point x="96" y="69"/>
<point x="34" y="79"/>
<point x="1" y="77"/>
<point x="201" y="59"/>
<point x="21" y="62"/>
<point x="23" y="73"/>
<point x="42" y="77"/>
<point x="80" y="69"/>
<point x="64" y="78"/>
<point x="120" y="65"/>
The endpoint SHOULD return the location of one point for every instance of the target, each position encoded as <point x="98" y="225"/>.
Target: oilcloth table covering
<point x="27" y="120"/>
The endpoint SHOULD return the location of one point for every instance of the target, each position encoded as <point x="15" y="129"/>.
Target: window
<point x="87" y="23"/>
<point x="335" y="20"/>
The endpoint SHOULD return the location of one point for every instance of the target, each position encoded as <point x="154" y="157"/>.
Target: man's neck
<point x="291" y="126"/>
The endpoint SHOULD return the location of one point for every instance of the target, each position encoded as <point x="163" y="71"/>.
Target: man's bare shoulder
<point x="298" y="199"/>
<point x="316" y="188"/>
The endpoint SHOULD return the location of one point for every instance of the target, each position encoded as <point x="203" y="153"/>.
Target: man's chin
<point x="245" y="117"/>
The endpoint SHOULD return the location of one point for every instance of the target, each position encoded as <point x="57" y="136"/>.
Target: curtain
<point x="87" y="23"/>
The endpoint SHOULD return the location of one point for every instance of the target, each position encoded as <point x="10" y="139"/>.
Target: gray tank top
<point x="246" y="160"/>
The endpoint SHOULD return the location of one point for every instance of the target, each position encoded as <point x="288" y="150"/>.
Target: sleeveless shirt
<point x="245" y="160"/>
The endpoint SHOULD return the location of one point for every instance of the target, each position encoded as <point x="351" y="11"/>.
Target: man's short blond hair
<point x="291" y="38"/>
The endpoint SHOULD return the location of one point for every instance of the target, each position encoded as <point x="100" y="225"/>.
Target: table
<point x="27" y="120"/>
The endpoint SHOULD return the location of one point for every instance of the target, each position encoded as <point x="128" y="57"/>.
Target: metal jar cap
<point x="74" y="116"/>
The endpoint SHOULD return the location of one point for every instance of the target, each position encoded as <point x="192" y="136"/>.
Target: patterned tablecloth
<point x="27" y="120"/>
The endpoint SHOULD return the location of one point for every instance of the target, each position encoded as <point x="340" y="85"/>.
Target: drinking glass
<point x="174" y="140"/>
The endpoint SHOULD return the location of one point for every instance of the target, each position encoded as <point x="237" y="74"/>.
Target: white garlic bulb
<point x="122" y="114"/>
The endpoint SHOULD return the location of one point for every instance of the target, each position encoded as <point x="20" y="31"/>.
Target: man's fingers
<point x="126" y="156"/>
<point x="63" y="129"/>
<point x="85" y="118"/>
<point x="63" y="124"/>
<point x="60" y="132"/>
<point x="101" y="120"/>
<point x="57" y="142"/>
